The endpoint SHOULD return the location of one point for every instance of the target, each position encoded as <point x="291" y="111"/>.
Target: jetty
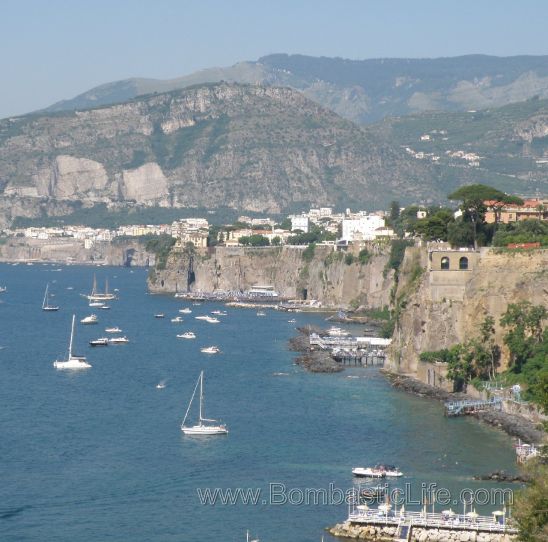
<point x="385" y="523"/>
<point x="368" y="351"/>
<point x="470" y="406"/>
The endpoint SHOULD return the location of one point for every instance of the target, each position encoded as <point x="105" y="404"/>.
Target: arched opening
<point x="445" y="262"/>
<point x="463" y="263"/>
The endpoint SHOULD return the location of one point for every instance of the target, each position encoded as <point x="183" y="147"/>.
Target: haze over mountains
<point x="361" y="90"/>
<point x="254" y="145"/>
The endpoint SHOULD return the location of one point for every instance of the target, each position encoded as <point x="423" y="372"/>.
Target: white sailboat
<point x="45" y="303"/>
<point x="201" y="428"/>
<point x="72" y="361"/>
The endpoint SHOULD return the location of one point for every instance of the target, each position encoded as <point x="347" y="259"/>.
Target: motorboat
<point x="219" y="313"/>
<point x="159" y="315"/>
<point x="177" y="320"/>
<point x="378" y="471"/>
<point x="113" y="330"/>
<point x="186" y="310"/>
<point x="118" y="340"/>
<point x="210" y="350"/>
<point x="96" y="304"/>
<point x="209" y="319"/>
<point x="292" y="321"/>
<point x="160" y="386"/>
<point x="91" y="319"/>
<point x="187" y="335"/>
<point x="3" y="289"/>
<point x="261" y="313"/>
<point x="201" y="428"/>
<point x="102" y="341"/>
<point x="105" y="307"/>
<point x="73" y="361"/>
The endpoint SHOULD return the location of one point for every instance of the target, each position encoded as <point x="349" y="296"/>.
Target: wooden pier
<point x="469" y="406"/>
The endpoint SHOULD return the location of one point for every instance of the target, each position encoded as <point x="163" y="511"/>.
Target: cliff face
<point x="326" y="278"/>
<point x="447" y="307"/>
<point x="127" y="253"/>
<point x="241" y="146"/>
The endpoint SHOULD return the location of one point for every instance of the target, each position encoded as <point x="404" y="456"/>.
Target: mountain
<point x="505" y="146"/>
<point x="363" y="91"/>
<point x="220" y="145"/>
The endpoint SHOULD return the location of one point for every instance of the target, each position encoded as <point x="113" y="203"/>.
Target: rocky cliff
<point x="326" y="277"/>
<point x="246" y="147"/>
<point x="442" y="308"/>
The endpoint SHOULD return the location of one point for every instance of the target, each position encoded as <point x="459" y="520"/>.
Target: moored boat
<point x="91" y="319"/>
<point x="102" y="341"/>
<point x="73" y="361"/>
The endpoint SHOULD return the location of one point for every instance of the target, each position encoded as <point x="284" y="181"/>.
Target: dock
<point x="470" y="406"/>
<point x="384" y="523"/>
<point x="364" y="351"/>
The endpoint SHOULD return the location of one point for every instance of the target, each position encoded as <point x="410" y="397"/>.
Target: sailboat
<point x="201" y="428"/>
<point x="96" y="296"/>
<point x="72" y="361"/>
<point x="45" y="303"/>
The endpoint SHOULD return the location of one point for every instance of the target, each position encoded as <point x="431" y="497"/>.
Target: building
<point x="361" y="227"/>
<point x="536" y="209"/>
<point x="300" y="222"/>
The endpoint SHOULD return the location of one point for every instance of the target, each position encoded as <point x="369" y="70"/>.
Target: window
<point x="445" y="262"/>
<point x="463" y="263"/>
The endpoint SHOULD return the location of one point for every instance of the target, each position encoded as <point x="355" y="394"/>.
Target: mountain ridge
<point x="363" y="91"/>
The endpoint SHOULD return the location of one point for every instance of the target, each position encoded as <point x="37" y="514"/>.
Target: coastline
<point x="512" y="424"/>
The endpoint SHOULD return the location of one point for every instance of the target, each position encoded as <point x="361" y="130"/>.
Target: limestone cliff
<point x="444" y="307"/>
<point x="326" y="277"/>
<point x="241" y="146"/>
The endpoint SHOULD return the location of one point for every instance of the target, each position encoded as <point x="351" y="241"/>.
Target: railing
<point x="454" y="408"/>
<point x="431" y="520"/>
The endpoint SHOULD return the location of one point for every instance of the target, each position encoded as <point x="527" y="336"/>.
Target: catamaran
<point x="72" y="361"/>
<point x="45" y="303"/>
<point x="201" y="428"/>
<point x="96" y="296"/>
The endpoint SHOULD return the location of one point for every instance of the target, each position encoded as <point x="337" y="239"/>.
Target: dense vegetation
<point x="526" y="338"/>
<point x="161" y="246"/>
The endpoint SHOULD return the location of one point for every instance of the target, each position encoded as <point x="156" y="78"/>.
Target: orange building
<point x="536" y="209"/>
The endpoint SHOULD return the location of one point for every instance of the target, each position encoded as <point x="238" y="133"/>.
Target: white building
<point x="361" y="228"/>
<point x="300" y="222"/>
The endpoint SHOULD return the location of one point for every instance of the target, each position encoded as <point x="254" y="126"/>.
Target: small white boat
<point x="159" y="315"/>
<point x="91" y="319"/>
<point x="160" y="386"/>
<point x="72" y="361"/>
<point x="185" y="311"/>
<point x="3" y="289"/>
<point x="177" y="320"/>
<point x="113" y="330"/>
<point x="219" y="313"/>
<point x="105" y="307"/>
<point x="202" y="428"/>
<point x="187" y="335"/>
<point x="292" y="321"/>
<point x="261" y="313"/>
<point x="210" y="350"/>
<point x="379" y="471"/>
<point x="118" y="340"/>
<point x="337" y="332"/>
<point x="96" y="304"/>
<point x="209" y="319"/>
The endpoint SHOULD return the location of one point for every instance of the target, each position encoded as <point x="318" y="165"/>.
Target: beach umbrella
<point x="362" y="507"/>
<point x="473" y="514"/>
<point x="448" y="512"/>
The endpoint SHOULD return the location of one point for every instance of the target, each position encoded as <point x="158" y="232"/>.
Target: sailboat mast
<point x="94" y="288"/>
<point x="201" y="393"/>
<point x="45" y="302"/>
<point x="71" y="335"/>
<point x="190" y="404"/>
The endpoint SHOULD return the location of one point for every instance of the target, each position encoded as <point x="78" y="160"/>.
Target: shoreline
<point x="512" y="424"/>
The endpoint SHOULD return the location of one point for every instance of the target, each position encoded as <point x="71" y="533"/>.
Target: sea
<point x="98" y="454"/>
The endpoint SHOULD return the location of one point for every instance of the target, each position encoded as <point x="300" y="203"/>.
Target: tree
<point x="276" y="241"/>
<point x="487" y="338"/>
<point x="254" y="240"/>
<point x="473" y="207"/>
<point x="435" y="226"/>
<point x="460" y="234"/>
<point x="394" y="211"/>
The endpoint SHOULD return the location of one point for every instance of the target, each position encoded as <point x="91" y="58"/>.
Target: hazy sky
<point x="55" y="49"/>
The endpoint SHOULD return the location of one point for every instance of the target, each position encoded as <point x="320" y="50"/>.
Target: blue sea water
<point x="99" y="455"/>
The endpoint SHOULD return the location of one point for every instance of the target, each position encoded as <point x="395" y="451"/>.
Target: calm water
<point x="99" y="455"/>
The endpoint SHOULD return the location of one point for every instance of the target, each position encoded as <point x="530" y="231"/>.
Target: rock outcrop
<point x="326" y="277"/>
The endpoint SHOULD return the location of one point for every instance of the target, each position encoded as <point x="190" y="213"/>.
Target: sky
<point x="55" y="49"/>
